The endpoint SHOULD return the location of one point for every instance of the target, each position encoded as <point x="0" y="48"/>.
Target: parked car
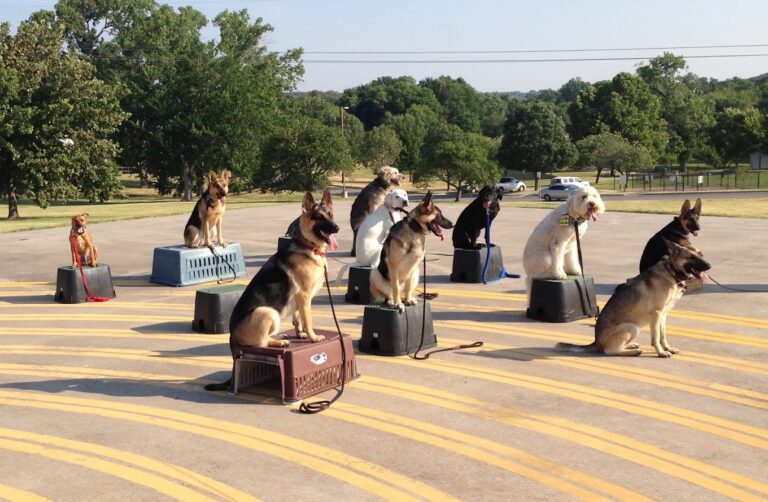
<point x="558" y="192"/>
<point x="569" y="180"/>
<point x="510" y="184"/>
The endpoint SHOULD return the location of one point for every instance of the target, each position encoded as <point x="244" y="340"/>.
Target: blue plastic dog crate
<point x="182" y="266"/>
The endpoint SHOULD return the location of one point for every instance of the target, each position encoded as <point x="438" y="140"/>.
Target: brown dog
<point x="84" y="246"/>
<point x="204" y="223"/>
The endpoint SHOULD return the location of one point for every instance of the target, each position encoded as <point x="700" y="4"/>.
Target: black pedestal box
<point x="468" y="264"/>
<point x="359" y="285"/>
<point x="213" y="308"/>
<point x="565" y="300"/>
<point x="388" y="332"/>
<point x="69" y="284"/>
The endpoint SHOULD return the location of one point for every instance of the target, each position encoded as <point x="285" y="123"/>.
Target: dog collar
<point x="309" y="246"/>
<point x="567" y="220"/>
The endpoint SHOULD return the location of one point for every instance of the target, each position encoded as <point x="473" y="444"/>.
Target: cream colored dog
<point x="550" y="252"/>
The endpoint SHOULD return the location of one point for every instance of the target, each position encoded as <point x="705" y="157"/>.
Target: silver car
<point x="558" y="192"/>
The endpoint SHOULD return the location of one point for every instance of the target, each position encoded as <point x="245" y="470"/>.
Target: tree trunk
<point x="683" y="163"/>
<point x="13" y="203"/>
<point x="187" y="184"/>
<point x="597" y="178"/>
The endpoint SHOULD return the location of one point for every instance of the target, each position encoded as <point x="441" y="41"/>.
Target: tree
<point x="319" y="107"/>
<point x="624" y="105"/>
<point x="684" y="109"/>
<point x="610" y="151"/>
<point x="535" y="139"/>
<point x="412" y="127"/>
<point x="493" y="116"/>
<point x="381" y="147"/>
<point x="302" y="156"/>
<point x="56" y="119"/>
<point x="460" y="103"/>
<point x="736" y="134"/>
<point x="373" y="102"/>
<point x="457" y="158"/>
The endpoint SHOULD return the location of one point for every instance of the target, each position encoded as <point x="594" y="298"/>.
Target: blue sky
<point x="495" y="25"/>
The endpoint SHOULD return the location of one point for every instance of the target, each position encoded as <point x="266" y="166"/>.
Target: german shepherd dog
<point x="371" y="197"/>
<point x="676" y="231"/>
<point x="643" y="300"/>
<point x="395" y="279"/>
<point x="84" y="246"/>
<point x="472" y="219"/>
<point x="286" y="284"/>
<point x="204" y="223"/>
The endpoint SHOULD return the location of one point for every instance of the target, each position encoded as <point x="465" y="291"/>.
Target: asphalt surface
<point x="105" y="401"/>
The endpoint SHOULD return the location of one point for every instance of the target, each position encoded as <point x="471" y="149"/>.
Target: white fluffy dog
<point x="550" y="252"/>
<point x="375" y="228"/>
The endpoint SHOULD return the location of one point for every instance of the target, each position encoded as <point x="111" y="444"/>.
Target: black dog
<point x="472" y="219"/>
<point x="371" y="197"/>
<point x="677" y="231"/>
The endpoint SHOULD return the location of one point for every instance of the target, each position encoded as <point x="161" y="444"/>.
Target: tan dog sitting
<point x="84" y="246"/>
<point x="204" y="224"/>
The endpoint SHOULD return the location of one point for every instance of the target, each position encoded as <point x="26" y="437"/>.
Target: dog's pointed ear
<point x="697" y="207"/>
<point x="426" y="202"/>
<point x="686" y="207"/>
<point x="672" y="247"/>
<point x="308" y="203"/>
<point x="86" y="215"/>
<point x="326" y="200"/>
<point x="225" y="174"/>
<point x="212" y="176"/>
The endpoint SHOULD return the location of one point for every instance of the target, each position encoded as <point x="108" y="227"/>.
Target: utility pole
<point x="344" y="193"/>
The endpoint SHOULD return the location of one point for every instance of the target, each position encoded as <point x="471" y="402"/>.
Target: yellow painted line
<point x="178" y="473"/>
<point x="13" y="494"/>
<point x="94" y="373"/>
<point x="113" y="304"/>
<point x="334" y="463"/>
<point x="217" y="362"/>
<point x="114" y="333"/>
<point x="735" y="431"/>
<point x="94" y="317"/>
<point x="653" y="377"/>
<point x="173" y="490"/>
<point x="575" y="483"/>
<point x="672" y="464"/>
<point x="14" y="284"/>
<point x="524" y="464"/>
<point x="668" y="463"/>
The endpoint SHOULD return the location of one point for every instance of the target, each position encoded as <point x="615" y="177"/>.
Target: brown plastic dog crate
<point x="304" y="368"/>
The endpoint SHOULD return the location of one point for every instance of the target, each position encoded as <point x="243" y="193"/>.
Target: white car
<point x="569" y="180"/>
<point x="510" y="184"/>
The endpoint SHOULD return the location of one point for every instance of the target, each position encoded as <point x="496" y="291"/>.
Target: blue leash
<point x="503" y="274"/>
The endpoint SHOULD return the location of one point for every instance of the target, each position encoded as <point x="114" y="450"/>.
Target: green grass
<point x="137" y="202"/>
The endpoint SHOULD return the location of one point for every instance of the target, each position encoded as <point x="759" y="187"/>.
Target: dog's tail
<point x="219" y="386"/>
<point x="592" y="348"/>
<point x="341" y="273"/>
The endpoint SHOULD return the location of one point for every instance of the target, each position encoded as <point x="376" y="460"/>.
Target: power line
<point x="548" y="60"/>
<point x="534" y="51"/>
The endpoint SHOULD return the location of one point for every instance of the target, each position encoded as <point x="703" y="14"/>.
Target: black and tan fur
<point x="89" y="253"/>
<point x="204" y="224"/>
<point x="285" y="284"/>
<point x="395" y="279"/>
<point x="371" y="197"/>
<point x="644" y="300"/>
<point x="677" y="231"/>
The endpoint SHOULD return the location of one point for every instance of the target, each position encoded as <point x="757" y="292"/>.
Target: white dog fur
<point x="374" y="229"/>
<point x="550" y="252"/>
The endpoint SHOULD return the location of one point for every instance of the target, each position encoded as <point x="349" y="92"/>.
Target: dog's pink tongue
<point x="333" y="242"/>
<point x="704" y="277"/>
<point x="591" y="215"/>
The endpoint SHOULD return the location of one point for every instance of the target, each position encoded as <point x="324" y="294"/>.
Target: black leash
<point x="318" y="406"/>
<point x="583" y="278"/>
<point x="737" y="289"/>
<point x="220" y="258"/>
<point x="415" y="355"/>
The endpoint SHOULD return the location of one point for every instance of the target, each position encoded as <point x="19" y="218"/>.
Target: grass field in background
<point x="140" y="202"/>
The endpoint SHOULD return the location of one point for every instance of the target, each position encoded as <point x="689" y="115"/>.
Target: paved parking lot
<point x="105" y="401"/>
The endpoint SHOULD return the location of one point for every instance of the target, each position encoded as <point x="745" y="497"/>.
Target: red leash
<point x="91" y="296"/>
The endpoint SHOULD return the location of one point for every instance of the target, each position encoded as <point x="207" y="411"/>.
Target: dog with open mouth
<point x="550" y="252"/>
<point x="393" y="282"/>
<point x="205" y="222"/>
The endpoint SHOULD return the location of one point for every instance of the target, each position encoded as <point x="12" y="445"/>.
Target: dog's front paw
<point x="302" y="334"/>
<point x="632" y="346"/>
<point x="410" y="301"/>
<point x="672" y="350"/>
<point x="400" y="307"/>
<point x="223" y="244"/>
<point x="315" y="338"/>
<point x="663" y="353"/>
